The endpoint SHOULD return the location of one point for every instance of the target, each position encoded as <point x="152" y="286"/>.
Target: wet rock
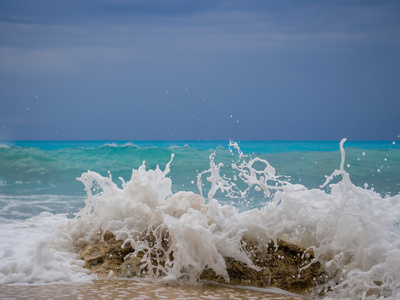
<point x="281" y="265"/>
<point x="130" y="267"/>
<point x="105" y="255"/>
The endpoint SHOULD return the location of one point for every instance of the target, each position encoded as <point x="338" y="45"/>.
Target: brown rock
<point x="130" y="267"/>
<point x="105" y="255"/>
<point x="280" y="264"/>
<point x="280" y="267"/>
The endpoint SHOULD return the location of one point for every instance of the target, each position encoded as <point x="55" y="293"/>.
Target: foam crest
<point x="110" y="208"/>
<point x="180" y="231"/>
<point x="258" y="177"/>
<point x="353" y="232"/>
<point x="4" y="146"/>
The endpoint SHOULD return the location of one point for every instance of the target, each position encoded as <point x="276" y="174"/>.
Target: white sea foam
<point x="21" y="207"/>
<point x="4" y="146"/>
<point x="353" y="232"/>
<point x="145" y="205"/>
<point x="115" y="145"/>
<point x="27" y="258"/>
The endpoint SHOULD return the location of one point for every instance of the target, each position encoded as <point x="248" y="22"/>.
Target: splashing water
<point x="353" y="231"/>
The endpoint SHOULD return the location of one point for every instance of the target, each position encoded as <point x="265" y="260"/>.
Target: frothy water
<point x="222" y="196"/>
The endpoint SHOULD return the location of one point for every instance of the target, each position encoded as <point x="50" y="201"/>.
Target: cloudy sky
<point x="190" y="70"/>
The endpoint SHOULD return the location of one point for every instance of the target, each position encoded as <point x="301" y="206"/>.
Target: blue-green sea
<point x="38" y="176"/>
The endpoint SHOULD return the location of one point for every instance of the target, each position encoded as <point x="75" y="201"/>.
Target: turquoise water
<point x="40" y="176"/>
<point x="247" y="146"/>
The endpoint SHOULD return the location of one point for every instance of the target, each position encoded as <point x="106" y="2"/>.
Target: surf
<point x="352" y="231"/>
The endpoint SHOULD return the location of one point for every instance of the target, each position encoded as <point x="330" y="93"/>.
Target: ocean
<point x="342" y="200"/>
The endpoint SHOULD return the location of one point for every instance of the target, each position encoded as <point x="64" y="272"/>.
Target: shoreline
<point x="140" y="289"/>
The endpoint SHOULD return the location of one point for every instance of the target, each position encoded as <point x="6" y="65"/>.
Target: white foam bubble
<point x="26" y="257"/>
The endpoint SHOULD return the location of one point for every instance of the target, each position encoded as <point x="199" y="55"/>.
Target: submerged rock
<point x="282" y="265"/>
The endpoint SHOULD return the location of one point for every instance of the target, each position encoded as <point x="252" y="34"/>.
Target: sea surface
<point x="339" y="198"/>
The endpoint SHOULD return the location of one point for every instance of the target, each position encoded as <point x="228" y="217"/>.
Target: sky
<point x="199" y="70"/>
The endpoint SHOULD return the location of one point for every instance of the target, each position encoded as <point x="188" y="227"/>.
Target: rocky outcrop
<point x="282" y="265"/>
